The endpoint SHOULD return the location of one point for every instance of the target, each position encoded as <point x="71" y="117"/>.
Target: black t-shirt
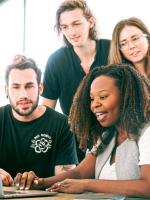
<point x="38" y="145"/>
<point x="63" y="73"/>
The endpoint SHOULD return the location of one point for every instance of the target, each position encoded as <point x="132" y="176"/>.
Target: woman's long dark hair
<point x="134" y="106"/>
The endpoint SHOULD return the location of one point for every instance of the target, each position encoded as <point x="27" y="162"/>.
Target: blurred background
<point x="27" y="27"/>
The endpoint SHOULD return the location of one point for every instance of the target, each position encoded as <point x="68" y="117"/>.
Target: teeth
<point x="134" y="53"/>
<point x="98" y="114"/>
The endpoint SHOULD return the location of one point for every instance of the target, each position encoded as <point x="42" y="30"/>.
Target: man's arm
<point x="6" y="178"/>
<point x="63" y="168"/>
<point x="49" y="102"/>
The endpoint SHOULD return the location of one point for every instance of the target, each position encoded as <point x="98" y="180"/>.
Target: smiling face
<point x="23" y="91"/>
<point x="135" y="54"/>
<point x="105" y="101"/>
<point x="75" y="26"/>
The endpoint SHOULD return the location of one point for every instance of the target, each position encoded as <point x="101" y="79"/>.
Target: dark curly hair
<point x="21" y="62"/>
<point x="134" y="106"/>
<point x="69" y="5"/>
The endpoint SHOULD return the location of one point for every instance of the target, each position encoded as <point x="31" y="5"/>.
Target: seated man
<point x="32" y="137"/>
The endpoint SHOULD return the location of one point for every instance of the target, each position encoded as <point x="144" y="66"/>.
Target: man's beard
<point x="24" y="111"/>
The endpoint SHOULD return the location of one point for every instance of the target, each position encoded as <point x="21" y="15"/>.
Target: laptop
<point x="14" y="192"/>
<point x="101" y="196"/>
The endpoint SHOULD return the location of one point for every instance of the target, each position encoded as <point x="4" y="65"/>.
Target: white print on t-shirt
<point x="41" y="143"/>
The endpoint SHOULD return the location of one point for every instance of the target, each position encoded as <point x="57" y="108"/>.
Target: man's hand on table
<point x="6" y="178"/>
<point x="28" y="180"/>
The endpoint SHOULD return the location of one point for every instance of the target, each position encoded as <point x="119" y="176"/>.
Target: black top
<point x="37" y="145"/>
<point x="63" y="73"/>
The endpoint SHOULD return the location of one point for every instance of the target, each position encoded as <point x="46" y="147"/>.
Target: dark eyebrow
<point x="100" y="91"/>
<point x="17" y="84"/>
<point x="30" y="83"/>
<point x="72" y="22"/>
<point x="131" y="37"/>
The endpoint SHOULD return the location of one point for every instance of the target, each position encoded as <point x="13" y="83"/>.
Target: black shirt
<point x="63" y="73"/>
<point x="37" y="145"/>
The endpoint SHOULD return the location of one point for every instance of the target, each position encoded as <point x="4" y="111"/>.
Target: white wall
<point x="11" y="38"/>
<point x="110" y="12"/>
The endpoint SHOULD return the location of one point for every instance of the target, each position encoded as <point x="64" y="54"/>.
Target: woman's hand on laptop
<point x="28" y="180"/>
<point x="6" y="178"/>
<point x="69" y="186"/>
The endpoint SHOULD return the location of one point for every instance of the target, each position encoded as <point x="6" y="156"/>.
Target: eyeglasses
<point x="136" y="40"/>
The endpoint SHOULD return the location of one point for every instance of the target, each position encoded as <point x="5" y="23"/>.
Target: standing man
<point x="82" y="51"/>
<point x="32" y="137"/>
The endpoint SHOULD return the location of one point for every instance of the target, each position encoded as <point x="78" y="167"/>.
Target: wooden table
<point x="62" y="196"/>
<point x="59" y="196"/>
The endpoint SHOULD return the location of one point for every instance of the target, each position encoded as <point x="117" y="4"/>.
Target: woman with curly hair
<point x="111" y="106"/>
<point x="130" y="44"/>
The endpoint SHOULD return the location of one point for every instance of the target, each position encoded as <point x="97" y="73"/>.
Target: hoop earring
<point x="123" y="59"/>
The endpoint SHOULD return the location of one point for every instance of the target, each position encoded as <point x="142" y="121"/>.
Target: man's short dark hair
<point x="21" y="62"/>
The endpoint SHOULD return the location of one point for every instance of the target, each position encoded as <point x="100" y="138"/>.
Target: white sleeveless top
<point x="108" y="171"/>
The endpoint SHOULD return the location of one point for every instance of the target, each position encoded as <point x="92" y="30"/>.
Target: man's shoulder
<point x="60" y="52"/>
<point x="61" y="56"/>
<point x="104" y="41"/>
<point x="55" y="114"/>
<point x="5" y="112"/>
<point x="5" y="108"/>
<point x="57" y="122"/>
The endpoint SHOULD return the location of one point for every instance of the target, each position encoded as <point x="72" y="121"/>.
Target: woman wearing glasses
<point x="130" y="44"/>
